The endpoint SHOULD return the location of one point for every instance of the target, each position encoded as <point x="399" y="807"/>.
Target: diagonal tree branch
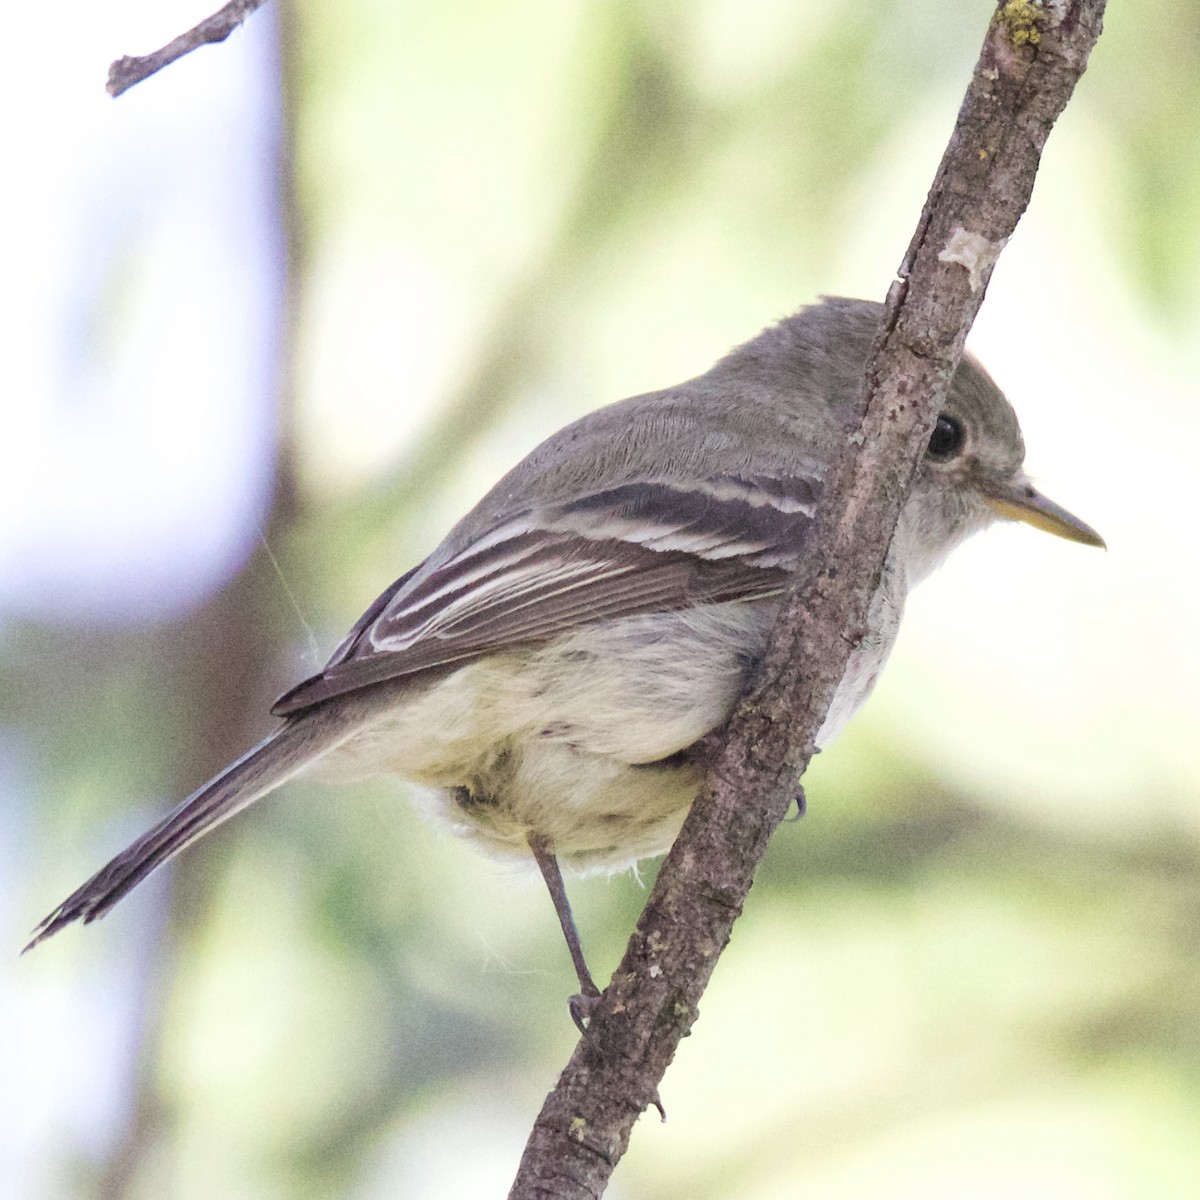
<point x="127" y="71"/>
<point x="1032" y="57"/>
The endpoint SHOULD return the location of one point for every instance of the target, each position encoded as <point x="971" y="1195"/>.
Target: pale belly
<point x="586" y="742"/>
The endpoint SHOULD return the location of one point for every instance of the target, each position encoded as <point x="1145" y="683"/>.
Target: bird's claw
<point x="581" y="1006"/>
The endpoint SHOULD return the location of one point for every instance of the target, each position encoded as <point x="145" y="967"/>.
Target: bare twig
<point x="127" y="71"/>
<point x="1032" y="57"/>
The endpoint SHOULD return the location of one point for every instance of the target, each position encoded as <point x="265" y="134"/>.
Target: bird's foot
<point x="581" y="1006"/>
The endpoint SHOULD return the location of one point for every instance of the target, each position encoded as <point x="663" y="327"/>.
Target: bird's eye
<point x="946" y="440"/>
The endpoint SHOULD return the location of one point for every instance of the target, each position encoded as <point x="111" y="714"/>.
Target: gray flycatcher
<point x="552" y="668"/>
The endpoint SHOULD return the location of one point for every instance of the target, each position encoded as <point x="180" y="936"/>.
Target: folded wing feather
<point x="617" y="552"/>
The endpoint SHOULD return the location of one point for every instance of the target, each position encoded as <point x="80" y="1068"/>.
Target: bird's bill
<point x="1019" y="500"/>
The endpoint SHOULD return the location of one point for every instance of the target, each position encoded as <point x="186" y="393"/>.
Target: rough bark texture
<point x="1032" y="57"/>
<point x="127" y="71"/>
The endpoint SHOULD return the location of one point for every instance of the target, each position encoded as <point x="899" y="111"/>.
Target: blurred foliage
<point x="931" y="993"/>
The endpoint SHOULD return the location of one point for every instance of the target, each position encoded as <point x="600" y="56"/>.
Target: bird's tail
<point x="300" y="741"/>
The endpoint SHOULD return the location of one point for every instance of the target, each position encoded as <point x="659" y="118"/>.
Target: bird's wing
<point x="633" y="548"/>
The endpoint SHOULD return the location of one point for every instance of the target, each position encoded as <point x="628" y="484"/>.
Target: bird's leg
<point x="580" y="1006"/>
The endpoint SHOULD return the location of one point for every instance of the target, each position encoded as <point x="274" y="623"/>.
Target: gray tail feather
<point x="300" y="741"/>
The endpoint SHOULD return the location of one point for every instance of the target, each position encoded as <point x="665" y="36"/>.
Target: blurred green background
<point x="281" y="314"/>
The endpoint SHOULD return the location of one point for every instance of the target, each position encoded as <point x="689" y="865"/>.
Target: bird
<point x="552" y="673"/>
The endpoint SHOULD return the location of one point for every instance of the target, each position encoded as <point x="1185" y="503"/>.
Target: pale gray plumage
<point x="551" y="667"/>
